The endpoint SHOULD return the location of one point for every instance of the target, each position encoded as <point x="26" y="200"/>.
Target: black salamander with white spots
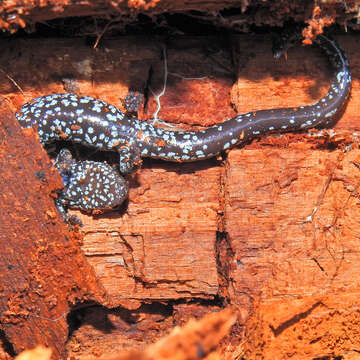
<point x="97" y="124"/>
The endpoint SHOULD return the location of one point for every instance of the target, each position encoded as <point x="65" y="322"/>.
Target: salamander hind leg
<point x="64" y="163"/>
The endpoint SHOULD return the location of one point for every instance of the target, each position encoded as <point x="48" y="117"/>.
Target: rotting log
<point x="272" y="228"/>
<point x="20" y="14"/>
<point x="43" y="272"/>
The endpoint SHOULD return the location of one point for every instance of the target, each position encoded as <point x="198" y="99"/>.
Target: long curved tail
<point x="191" y="146"/>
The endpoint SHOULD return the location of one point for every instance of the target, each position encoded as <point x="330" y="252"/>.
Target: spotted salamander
<point x="97" y="124"/>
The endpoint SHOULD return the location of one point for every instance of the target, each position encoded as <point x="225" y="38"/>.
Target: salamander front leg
<point x="129" y="158"/>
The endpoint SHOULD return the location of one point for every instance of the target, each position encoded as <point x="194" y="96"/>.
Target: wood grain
<point x="271" y="227"/>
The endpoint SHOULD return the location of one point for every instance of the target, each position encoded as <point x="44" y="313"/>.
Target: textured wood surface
<point x="163" y="246"/>
<point x="43" y="273"/>
<point x="198" y="338"/>
<point x="270" y="228"/>
<point x="21" y="14"/>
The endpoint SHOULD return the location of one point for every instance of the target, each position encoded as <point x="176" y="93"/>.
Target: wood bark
<point x="230" y="14"/>
<point x="43" y="272"/>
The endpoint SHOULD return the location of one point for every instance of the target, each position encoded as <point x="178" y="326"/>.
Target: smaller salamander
<point x="88" y="185"/>
<point x="97" y="124"/>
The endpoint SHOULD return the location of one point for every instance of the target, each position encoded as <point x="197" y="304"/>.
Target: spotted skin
<point x="88" y="185"/>
<point x="96" y="124"/>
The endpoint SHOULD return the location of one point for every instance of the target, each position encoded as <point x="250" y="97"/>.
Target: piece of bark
<point x="20" y="14"/>
<point x="196" y="340"/>
<point x="38" y="353"/>
<point x="43" y="272"/>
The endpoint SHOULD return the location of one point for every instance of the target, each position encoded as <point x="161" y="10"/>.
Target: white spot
<point x="330" y="113"/>
<point x="340" y="76"/>
<point x="111" y="117"/>
<point x="65" y="102"/>
<point x="87" y="138"/>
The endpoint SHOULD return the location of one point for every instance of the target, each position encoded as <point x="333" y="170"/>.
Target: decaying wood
<point x="43" y="273"/>
<point x="21" y="14"/>
<point x="271" y="228"/>
<point x="197" y="339"/>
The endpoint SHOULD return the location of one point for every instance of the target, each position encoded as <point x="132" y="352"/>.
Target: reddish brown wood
<point x="195" y="340"/>
<point x="19" y="14"/>
<point x="302" y="78"/>
<point x="239" y="228"/>
<point x="42" y="270"/>
<point x="163" y="246"/>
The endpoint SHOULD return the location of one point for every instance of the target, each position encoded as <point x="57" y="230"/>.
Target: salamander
<point x="97" y="124"/>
